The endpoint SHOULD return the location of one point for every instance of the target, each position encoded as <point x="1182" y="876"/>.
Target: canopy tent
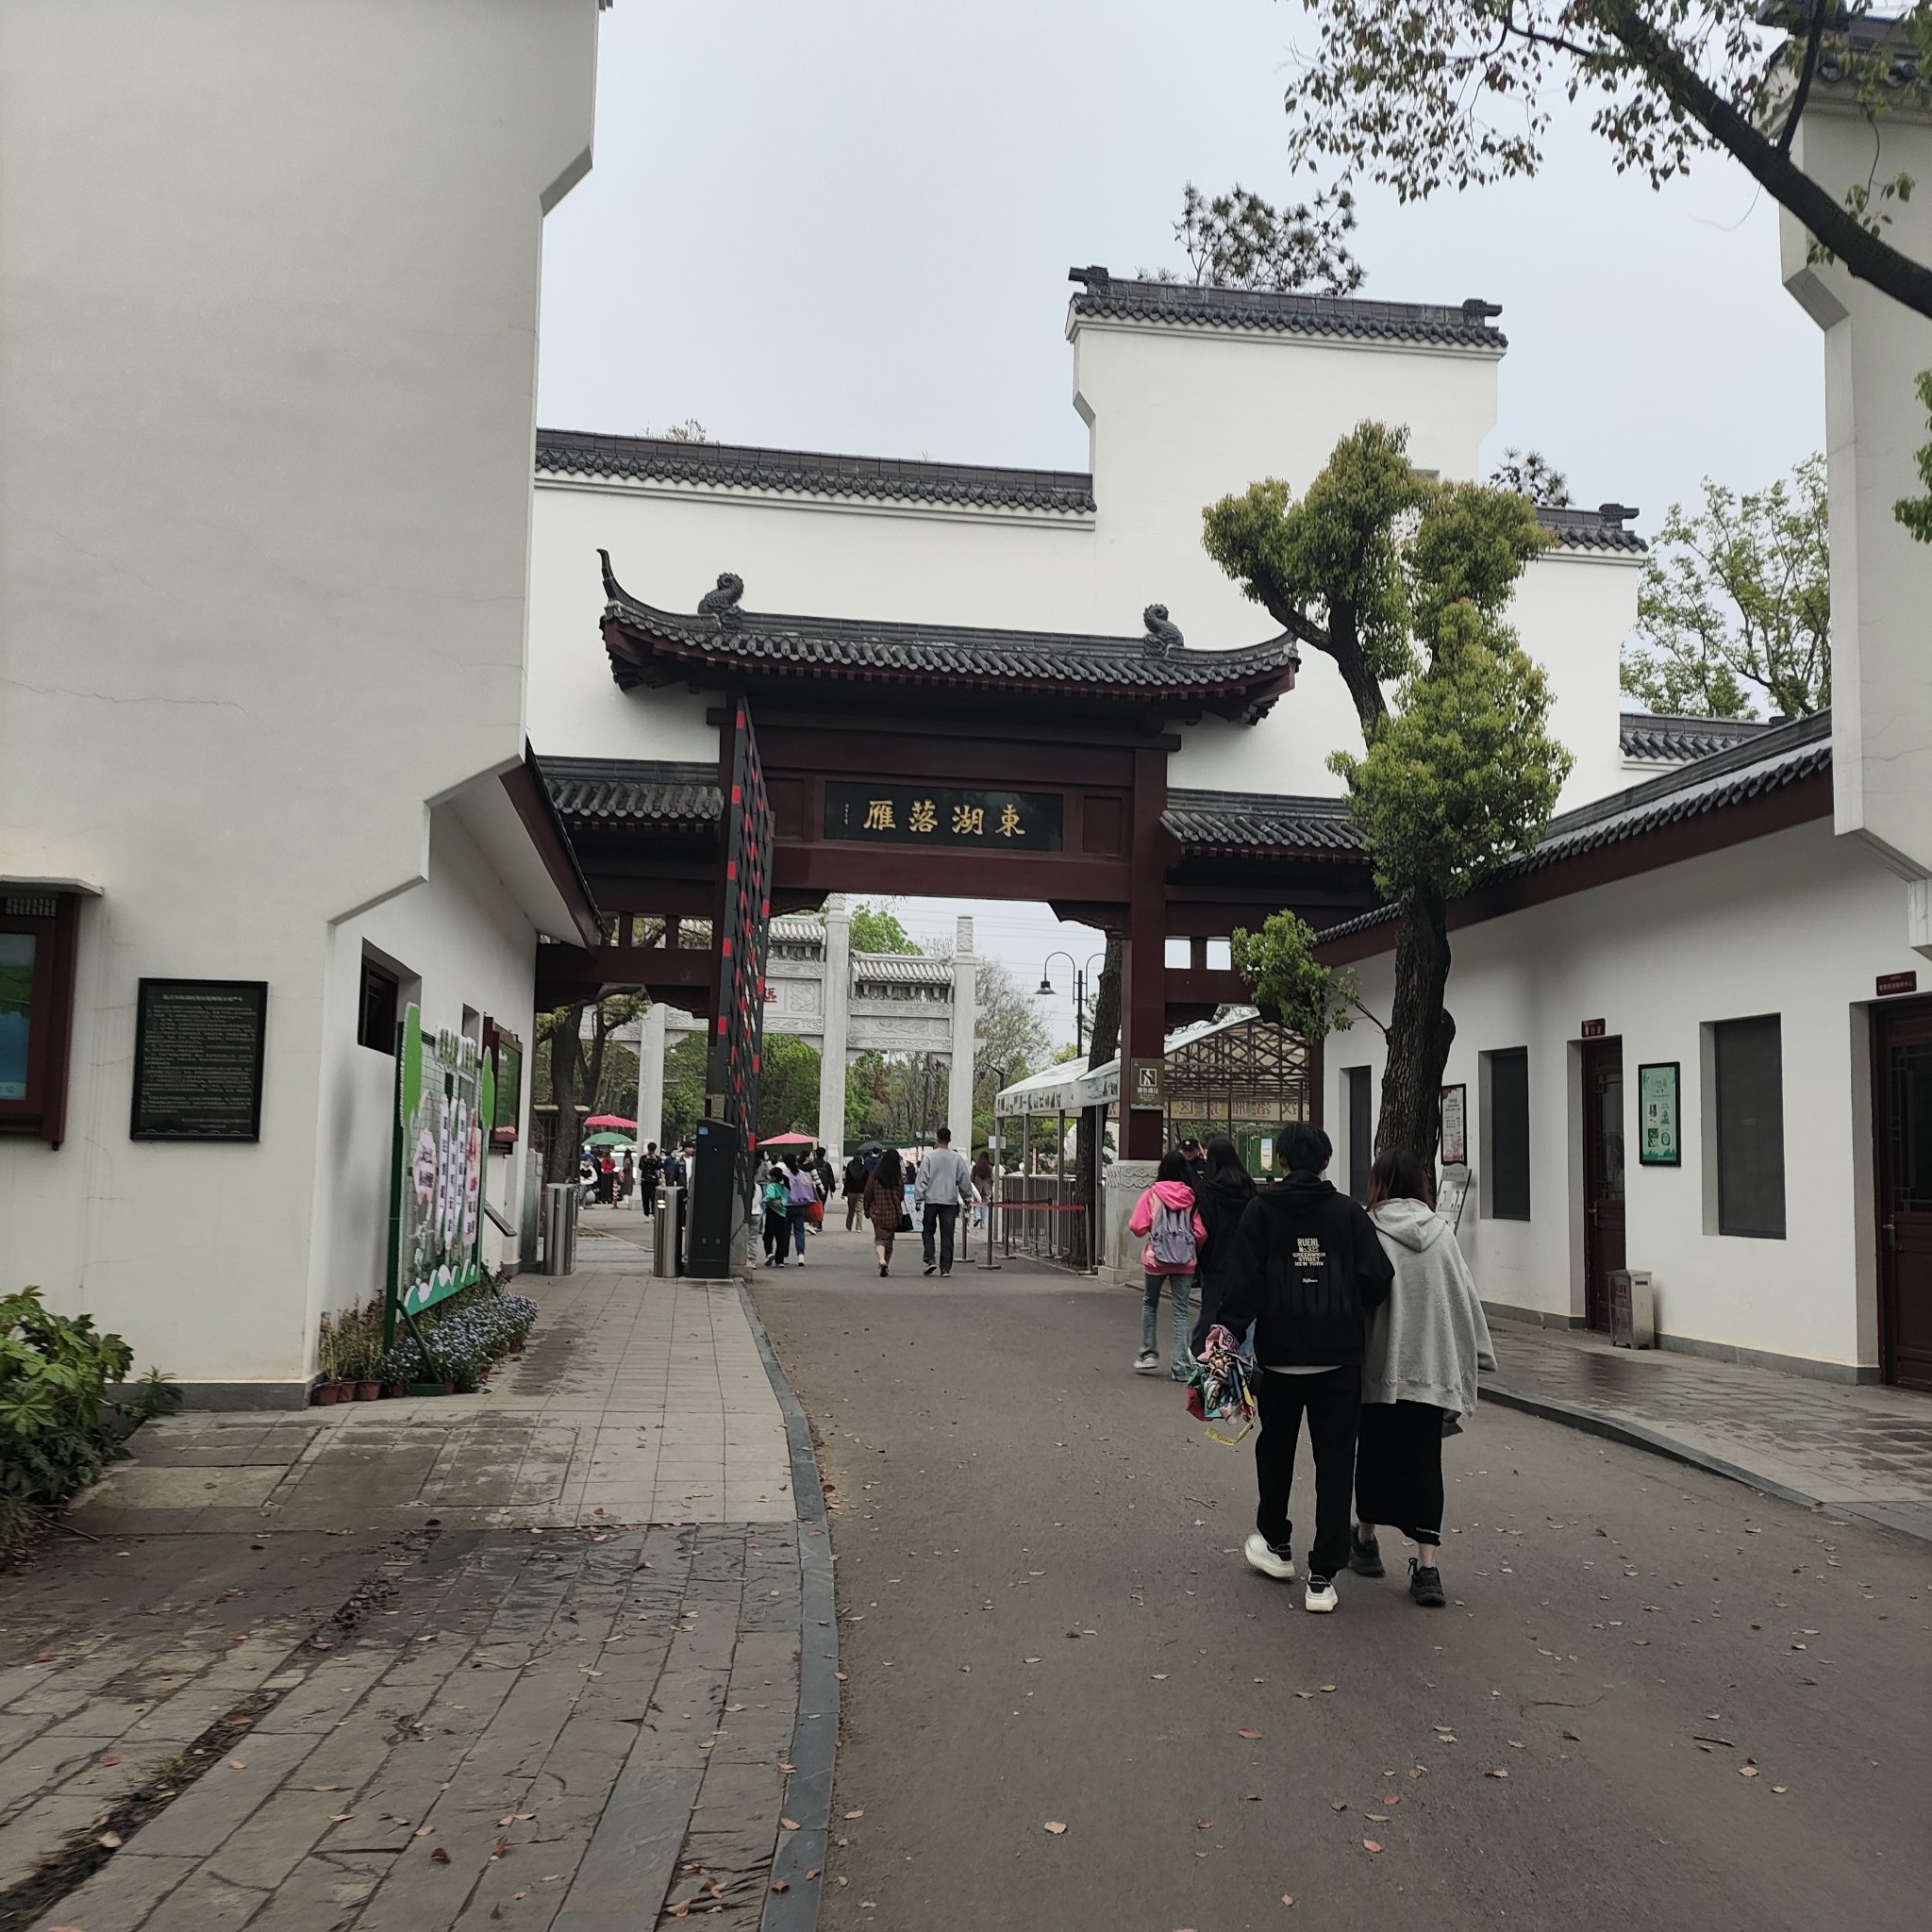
<point x="789" y="1141"/>
<point x="611" y="1120"/>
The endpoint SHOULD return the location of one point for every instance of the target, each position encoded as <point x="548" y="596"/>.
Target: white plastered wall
<point x="1795" y="924"/>
<point x="268" y="312"/>
<point x="1177" y="418"/>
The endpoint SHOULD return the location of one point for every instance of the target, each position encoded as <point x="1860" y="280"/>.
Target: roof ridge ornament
<point x="723" y="602"/>
<point x="1162" y="637"/>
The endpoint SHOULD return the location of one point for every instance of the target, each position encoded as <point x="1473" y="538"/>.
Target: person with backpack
<point x="1165" y="1214"/>
<point x="1221" y="1198"/>
<point x="803" y="1189"/>
<point x="775" y="1197"/>
<point x="853" y="1186"/>
<point x="1309" y="1272"/>
<point x="1425" y="1345"/>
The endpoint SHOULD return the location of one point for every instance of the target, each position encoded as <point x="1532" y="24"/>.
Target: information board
<point x="445" y="1100"/>
<point x="198" y="1049"/>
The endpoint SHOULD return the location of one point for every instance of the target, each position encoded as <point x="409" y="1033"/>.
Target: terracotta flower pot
<point x="326" y="1394"/>
<point x="367" y="1391"/>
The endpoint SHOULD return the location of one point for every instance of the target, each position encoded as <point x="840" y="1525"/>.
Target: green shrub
<point x="58" y="1425"/>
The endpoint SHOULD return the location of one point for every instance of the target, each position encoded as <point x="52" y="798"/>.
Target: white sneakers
<point x="1260" y="1556"/>
<point x="1146" y="1362"/>
<point x="1321" y="1598"/>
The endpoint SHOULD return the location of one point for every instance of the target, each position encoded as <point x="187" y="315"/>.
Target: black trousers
<point x="1332" y="1401"/>
<point x="940" y="1219"/>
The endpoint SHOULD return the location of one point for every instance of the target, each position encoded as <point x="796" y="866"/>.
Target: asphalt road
<point x="1657" y="1698"/>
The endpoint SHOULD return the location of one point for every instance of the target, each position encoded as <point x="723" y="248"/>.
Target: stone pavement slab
<point x="1855" y="1449"/>
<point x="525" y="1659"/>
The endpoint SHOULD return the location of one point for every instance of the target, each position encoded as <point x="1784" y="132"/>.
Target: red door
<point x="1902" y="1108"/>
<point x="1602" y="1175"/>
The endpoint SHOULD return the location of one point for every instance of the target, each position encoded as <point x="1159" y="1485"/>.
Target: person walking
<point x="802" y="1190"/>
<point x="982" y="1185"/>
<point x="1222" y="1199"/>
<point x="944" y="1182"/>
<point x="1308" y="1271"/>
<point x="650" y="1177"/>
<point x="1167" y="1216"/>
<point x="885" y="1204"/>
<point x="826" y="1182"/>
<point x="853" y="1185"/>
<point x="1425" y="1345"/>
<point x="1197" y="1162"/>
<point x="775" y="1201"/>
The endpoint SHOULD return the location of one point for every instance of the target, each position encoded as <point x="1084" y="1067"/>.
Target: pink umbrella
<point x="609" y="1119"/>
<point x="789" y="1141"/>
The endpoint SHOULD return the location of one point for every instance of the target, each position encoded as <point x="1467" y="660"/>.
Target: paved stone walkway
<point x="1856" y="1450"/>
<point x="529" y="1658"/>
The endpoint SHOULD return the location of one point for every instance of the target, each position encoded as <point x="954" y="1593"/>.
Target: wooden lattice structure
<point x="1240" y="1080"/>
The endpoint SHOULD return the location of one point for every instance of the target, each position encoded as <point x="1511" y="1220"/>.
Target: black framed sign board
<point x="198" y="1050"/>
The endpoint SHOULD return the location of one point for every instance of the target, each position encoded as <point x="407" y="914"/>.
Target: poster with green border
<point x="1657" y="1115"/>
<point x="445" y="1101"/>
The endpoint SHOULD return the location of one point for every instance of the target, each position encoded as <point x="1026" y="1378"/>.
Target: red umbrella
<point x="789" y="1141"/>
<point x="609" y="1119"/>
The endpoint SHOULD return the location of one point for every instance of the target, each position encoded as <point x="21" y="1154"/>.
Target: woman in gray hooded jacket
<point x="1425" y="1345"/>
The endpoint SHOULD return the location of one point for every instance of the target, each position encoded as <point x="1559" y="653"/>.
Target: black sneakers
<point x="1364" y="1558"/>
<point x="1425" y="1586"/>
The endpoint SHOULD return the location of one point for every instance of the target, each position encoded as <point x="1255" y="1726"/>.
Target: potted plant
<point x="328" y="1352"/>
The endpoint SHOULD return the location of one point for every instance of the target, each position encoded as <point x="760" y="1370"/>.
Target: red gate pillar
<point x="1143" y="989"/>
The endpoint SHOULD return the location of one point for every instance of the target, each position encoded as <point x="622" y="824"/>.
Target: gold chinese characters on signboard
<point x="928" y="815"/>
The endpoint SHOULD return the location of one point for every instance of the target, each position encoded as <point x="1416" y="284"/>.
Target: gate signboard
<point x="445" y="1102"/>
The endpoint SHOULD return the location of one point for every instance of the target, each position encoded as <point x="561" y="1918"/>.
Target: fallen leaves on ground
<point x="1495" y="1770"/>
<point x="1251" y="1735"/>
<point x="854" y="1814"/>
<point x="1370" y="1844"/>
<point x="1054" y="1825"/>
<point x="439" y="1855"/>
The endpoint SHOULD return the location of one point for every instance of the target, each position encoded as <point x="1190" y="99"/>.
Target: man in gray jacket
<point x="945" y="1181"/>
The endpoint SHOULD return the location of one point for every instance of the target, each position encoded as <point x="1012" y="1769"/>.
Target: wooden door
<point x="1602" y="1175"/>
<point x="1902" y="1108"/>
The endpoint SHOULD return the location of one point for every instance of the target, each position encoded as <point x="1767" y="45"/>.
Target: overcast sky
<point x="847" y="226"/>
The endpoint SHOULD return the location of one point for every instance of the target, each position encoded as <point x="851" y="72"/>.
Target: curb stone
<point x="1637" y="1436"/>
<point x="815" y="1737"/>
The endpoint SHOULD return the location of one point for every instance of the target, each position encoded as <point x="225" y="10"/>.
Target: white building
<point x="268" y="323"/>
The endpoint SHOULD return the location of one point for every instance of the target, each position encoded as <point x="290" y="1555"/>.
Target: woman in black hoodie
<point x="1219" y="1199"/>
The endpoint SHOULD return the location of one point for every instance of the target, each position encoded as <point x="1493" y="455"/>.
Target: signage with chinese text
<point x="198" y="1052"/>
<point x="1149" y="1084"/>
<point x="1890" y="983"/>
<point x="1657" y="1115"/>
<point x="1455" y="1126"/>
<point x="928" y="815"/>
<point x="1592" y="1029"/>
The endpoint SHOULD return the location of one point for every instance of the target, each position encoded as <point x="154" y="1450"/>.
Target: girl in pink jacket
<point x="1174" y="1231"/>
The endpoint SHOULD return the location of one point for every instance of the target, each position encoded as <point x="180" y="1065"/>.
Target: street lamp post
<point x="1045" y="991"/>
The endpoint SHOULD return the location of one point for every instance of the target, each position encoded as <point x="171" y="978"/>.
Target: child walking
<point x="1174" y="1231"/>
<point x="1425" y="1345"/>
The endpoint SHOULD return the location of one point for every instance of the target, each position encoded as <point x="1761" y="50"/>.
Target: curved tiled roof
<point x="1782" y="756"/>
<point x="902" y="968"/>
<point x="1677" y="741"/>
<point x="743" y="466"/>
<point x="615" y="791"/>
<point x="1602" y="528"/>
<point x="1243" y="823"/>
<point x="1187" y="305"/>
<point x="651" y="646"/>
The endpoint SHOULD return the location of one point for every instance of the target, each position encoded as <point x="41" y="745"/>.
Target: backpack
<point x="1172" y="1242"/>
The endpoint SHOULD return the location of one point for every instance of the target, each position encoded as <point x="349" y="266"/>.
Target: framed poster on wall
<point x="506" y="1050"/>
<point x="199" y="1046"/>
<point x="1657" y="1115"/>
<point x="1454" y="1127"/>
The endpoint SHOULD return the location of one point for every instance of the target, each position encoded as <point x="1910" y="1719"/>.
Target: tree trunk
<point x="1088" y="1141"/>
<point x="566" y="1083"/>
<point x="1420" y="1031"/>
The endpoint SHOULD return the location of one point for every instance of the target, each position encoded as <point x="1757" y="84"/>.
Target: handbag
<point x="815" y="1213"/>
<point x="905" y="1222"/>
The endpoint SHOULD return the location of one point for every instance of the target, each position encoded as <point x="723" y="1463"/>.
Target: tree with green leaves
<point x="1736" y="606"/>
<point x="1915" y="513"/>
<point x="788" y="1086"/>
<point x="875" y="928"/>
<point x="1426" y="94"/>
<point x="574" y="1064"/>
<point x="1239" y="241"/>
<point x="1402" y="582"/>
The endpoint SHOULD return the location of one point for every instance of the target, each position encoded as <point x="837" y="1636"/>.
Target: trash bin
<point x="1633" y="1308"/>
<point x="559" y="1228"/>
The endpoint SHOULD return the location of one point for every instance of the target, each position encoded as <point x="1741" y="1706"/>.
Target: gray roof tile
<point x="617" y="791"/>
<point x="1258" y="822"/>
<point x="1187" y="305"/>
<point x="742" y="466"/>
<point x="1654" y="735"/>
<point x="648" y="645"/>
<point x="1603" y="528"/>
